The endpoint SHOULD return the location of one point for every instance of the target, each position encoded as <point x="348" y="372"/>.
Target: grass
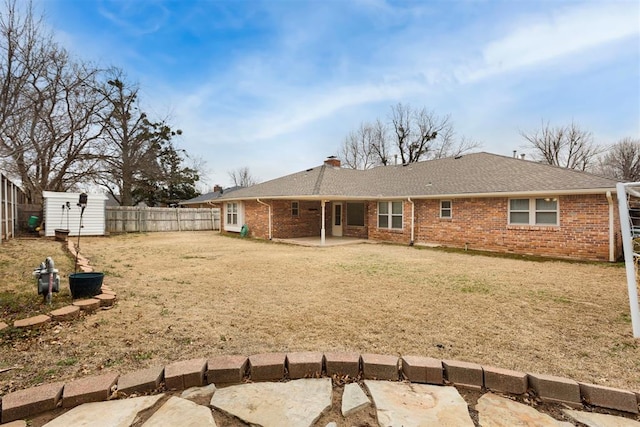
<point x="70" y="361"/>
<point x="192" y="295"/>
<point x="18" y="290"/>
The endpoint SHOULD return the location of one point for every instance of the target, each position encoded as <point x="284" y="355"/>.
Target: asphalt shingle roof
<point x="207" y="197"/>
<point x="471" y="174"/>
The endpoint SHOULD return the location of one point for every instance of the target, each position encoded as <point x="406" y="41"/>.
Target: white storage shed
<point x="56" y="214"/>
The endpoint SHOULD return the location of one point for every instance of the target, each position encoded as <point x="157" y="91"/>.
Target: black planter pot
<point x="85" y="285"/>
<point x="61" y="234"/>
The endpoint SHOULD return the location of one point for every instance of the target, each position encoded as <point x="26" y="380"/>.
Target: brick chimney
<point x="332" y="161"/>
<point x="217" y="188"/>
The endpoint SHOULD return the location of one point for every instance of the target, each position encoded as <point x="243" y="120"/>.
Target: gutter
<point x="612" y="257"/>
<point x="513" y="194"/>
<point x="412" y="219"/>
<point x="269" y="206"/>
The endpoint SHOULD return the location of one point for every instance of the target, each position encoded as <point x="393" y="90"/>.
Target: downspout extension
<point x="412" y="220"/>
<point x="269" y="206"/>
<point x="612" y="257"/>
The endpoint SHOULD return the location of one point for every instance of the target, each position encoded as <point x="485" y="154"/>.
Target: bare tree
<point x="132" y="146"/>
<point x="380" y="142"/>
<point x="242" y="177"/>
<point x="411" y="134"/>
<point x="47" y="107"/>
<point x="447" y="144"/>
<point x="621" y="161"/>
<point x="564" y="146"/>
<point x="358" y="148"/>
<point x="415" y="131"/>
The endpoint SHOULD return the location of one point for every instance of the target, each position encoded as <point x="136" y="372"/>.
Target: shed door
<point x="336" y="223"/>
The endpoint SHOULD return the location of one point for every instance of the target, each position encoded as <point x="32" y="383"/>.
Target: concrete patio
<point x="329" y="241"/>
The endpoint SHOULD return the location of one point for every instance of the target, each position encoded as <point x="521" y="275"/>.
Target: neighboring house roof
<point x="479" y="174"/>
<point x="204" y="198"/>
<point x="112" y="202"/>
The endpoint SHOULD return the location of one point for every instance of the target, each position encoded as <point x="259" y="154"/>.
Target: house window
<point x="355" y="214"/>
<point x="232" y="213"/>
<point x="390" y="215"/>
<point x="233" y="217"/>
<point x="445" y="208"/>
<point x="542" y="211"/>
<point x="295" y="208"/>
<point x="547" y="211"/>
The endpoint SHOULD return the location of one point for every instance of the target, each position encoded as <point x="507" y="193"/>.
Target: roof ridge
<point x="548" y="165"/>
<point x="316" y="187"/>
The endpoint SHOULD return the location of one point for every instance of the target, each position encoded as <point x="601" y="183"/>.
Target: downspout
<point x="269" y="206"/>
<point x="412" y="220"/>
<point x="612" y="246"/>
<point x="322" y="230"/>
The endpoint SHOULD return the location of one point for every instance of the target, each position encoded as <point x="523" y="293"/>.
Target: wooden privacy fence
<point x="126" y="219"/>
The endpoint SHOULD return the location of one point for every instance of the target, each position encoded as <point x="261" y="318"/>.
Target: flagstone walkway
<point x="317" y="403"/>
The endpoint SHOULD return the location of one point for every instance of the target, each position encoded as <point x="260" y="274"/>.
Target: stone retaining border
<point x="106" y="299"/>
<point x="68" y="312"/>
<point x="237" y="369"/>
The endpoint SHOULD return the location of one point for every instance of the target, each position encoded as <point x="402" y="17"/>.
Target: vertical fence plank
<point x="129" y="219"/>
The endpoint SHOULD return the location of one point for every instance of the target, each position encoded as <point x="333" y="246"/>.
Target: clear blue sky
<point x="276" y="85"/>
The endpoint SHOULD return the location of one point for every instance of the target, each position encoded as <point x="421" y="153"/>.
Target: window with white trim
<point x="232" y="213"/>
<point x="390" y="215"/>
<point x="445" y="209"/>
<point x="233" y="216"/>
<point x="295" y="208"/>
<point x="534" y="211"/>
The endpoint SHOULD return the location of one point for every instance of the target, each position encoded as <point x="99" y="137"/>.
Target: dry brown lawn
<point x="188" y="295"/>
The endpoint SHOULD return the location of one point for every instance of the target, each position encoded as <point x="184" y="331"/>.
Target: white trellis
<point x="629" y="207"/>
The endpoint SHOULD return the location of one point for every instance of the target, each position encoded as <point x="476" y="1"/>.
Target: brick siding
<point x="482" y="223"/>
<point x="475" y="223"/>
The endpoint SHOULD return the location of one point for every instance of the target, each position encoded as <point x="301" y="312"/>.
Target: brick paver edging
<point x="105" y="299"/>
<point x="234" y="369"/>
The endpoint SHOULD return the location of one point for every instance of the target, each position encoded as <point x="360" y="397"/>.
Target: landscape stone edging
<point x="238" y="369"/>
<point x="267" y="366"/>
<point x="41" y="319"/>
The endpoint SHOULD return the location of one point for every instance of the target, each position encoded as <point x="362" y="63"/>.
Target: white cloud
<point x="561" y="34"/>
<point x="137" y="18"/>
<point x="311" y="107"/>
<point x="280" y="104"/>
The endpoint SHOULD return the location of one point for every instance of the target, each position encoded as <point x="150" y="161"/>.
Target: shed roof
<point x="472" y="174"/>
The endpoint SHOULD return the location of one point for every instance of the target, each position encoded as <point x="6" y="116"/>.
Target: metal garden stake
<point x="82" y="203"/>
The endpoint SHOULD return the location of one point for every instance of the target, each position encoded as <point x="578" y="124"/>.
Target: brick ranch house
<point x="477" y="201"/>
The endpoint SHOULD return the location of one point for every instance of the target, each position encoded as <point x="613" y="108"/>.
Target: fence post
<point x="1" y="217"/>
<point x="178" y="218"/>
<point x="14" y="210"/>
<point x="5" y="205"/>
<point x="629" y="256"/>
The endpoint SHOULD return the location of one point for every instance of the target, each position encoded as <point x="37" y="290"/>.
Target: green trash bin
<point x="32" y="223"/>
